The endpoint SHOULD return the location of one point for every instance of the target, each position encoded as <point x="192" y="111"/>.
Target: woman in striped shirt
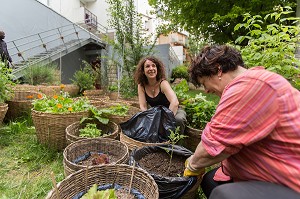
<point x="254" y="134"/>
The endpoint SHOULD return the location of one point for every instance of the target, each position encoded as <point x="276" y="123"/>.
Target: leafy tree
<point x="213" y="19"/>
<point x="131" y="43"/>
<point x="272" y="46"/>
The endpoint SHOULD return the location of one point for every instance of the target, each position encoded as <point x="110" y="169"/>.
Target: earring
<point x="219" y="78"/>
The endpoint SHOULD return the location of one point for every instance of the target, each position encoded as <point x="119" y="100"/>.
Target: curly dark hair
<point x="140" y="77"/>
<point x="213" y="58"/>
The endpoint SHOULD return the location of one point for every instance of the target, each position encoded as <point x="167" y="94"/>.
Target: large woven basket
<point x="51" y="128"/>
<point x="194" y="137"/>
<point x="93" y="92"/>
<point x="82" y="180"/>
<point x="72" y="89"/>
<point x="117" y="152"/>
<point x="49" y="90"/>
<point x="72" y="131"/>
<point x="3" y="111"/>
<point x="135" y="144"/>
<point x="21" y="104"/>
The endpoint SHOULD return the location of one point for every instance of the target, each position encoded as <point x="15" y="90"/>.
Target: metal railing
<point x="90" y="18"/>
<point x="41" y="46"/>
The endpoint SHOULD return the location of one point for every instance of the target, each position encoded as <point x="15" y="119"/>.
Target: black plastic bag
<point x="152" y="125"/>
<point x="168" y="187"/>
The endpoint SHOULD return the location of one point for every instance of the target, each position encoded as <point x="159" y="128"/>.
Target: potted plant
<point x="199" y="111"/>
<point x="95" y="126"/>
<point x="84" y="78"/>
<point x="6" y="91"/>
<point x="51" y="116"/>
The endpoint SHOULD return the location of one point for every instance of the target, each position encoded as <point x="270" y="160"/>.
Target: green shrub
<point x="128" y="88"/>
<point x="6" y="83"/>
<point x="199" y="111"/>
<point x="272" y="43"/>
<point x="180" y="71"/>
<point x="84" y="78"/>
<point x="181" y="89"/>
<point x="42" y="74"/>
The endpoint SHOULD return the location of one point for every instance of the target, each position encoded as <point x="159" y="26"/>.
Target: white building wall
<point x="179" y="52"/>
<point x="100" y="9"/>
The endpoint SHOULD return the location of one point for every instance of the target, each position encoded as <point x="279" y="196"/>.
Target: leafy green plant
<point x="113" y="88"/>
<point x="93" y="193"/>
<point x="181" y="89"/>
<point x="60" y="104"/>
<point x="128" y="88"/>
<point x="41" y="74"/>
<point x="274" y="45"/>
<point x="6" y="83"/>
<point x="84" y="78"/>
<point x="102" y="114"/>
<point x="199" y="111"/>
<point x="90" y="131"/>
<point x="174" y="137"/>
<point x="180" y="71"/>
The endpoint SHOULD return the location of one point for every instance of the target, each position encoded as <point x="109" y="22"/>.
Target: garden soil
<point x="158" y="163"/>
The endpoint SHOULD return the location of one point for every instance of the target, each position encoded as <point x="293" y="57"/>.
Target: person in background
<point x="154" y="89"/>
<point x="5" y="57"/>
<point x="255" y="132"/>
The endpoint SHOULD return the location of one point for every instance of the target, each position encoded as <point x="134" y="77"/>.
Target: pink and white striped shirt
<point x="258" y="122"/>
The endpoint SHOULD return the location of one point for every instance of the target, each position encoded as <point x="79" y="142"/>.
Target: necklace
<point x="152" y="89"/>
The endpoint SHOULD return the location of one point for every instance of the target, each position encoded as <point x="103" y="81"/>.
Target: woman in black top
<point x="154" y="89"/>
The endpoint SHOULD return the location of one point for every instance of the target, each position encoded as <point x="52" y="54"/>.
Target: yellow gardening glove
<point x="189" y="171"/>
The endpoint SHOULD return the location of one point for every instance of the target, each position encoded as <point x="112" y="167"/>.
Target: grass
<point x="26" y="166"/>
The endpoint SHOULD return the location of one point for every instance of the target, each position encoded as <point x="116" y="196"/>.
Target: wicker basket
<point x="51" y="128"/>
<point x="21" y="104"/>
<point x="72" y="131"/>
<point x="49" y="90"/>
<point x="193" y="139"/>
<point x="93" y="92"/>
<point x="134" y="144"/>
<point x="117" y="152"/>
<point x="25" y="87"/>
<point x="121" y="174"/>
<point x="72" y="89"/>
<point x="3" y="111"/>
<point x="98" y="101"/>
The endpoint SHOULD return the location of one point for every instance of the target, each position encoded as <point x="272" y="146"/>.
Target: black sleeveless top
<point x="160" y="99"/>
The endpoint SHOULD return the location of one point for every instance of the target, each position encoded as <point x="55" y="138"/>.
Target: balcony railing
<point x="90" y="18"/>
